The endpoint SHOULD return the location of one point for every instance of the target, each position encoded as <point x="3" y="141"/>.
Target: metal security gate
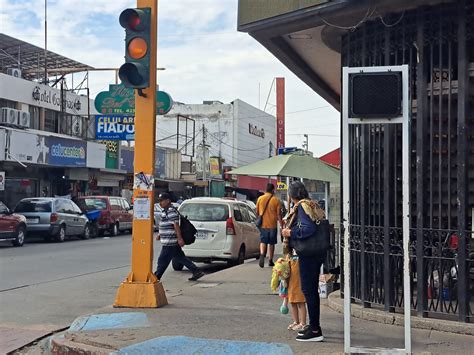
<point x="437" y="43"/>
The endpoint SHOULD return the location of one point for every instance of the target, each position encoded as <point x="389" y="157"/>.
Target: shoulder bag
<point x="259" y="220"/>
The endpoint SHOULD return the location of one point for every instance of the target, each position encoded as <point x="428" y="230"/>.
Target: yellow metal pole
<point x="141" y="288"/>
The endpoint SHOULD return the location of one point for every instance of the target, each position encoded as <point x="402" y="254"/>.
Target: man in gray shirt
<point x="172" y="240"/>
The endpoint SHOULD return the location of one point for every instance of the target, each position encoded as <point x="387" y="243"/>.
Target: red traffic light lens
<point x="137" y="48"/>
<point x="133" y="21"/>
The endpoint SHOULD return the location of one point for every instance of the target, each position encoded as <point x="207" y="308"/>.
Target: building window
<point x="51" y="121"/>
<point x="34" y="117"/>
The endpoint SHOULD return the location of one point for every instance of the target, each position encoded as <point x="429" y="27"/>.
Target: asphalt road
<point x="50" y="284"/>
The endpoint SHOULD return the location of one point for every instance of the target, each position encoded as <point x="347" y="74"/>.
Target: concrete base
<point x="141" y="295"/>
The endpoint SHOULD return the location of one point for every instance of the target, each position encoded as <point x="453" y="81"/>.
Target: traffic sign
<point x="120" y="100"/>
<point x="286" y="150"/>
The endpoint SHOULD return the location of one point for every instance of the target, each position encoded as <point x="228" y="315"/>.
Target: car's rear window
<point x="90" y="204"/>
<point x="205" y="212"/>
<point x="33" y="206"/>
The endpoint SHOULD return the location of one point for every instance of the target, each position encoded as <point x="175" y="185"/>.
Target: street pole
<point x="141" y="288"/>
<point x="306" y="143"/>
<point x="204" y="151"/>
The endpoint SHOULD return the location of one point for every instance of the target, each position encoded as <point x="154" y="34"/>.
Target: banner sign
<point x="67" y="152"/>
<point x="214" y="167"/>
<point x="114" y="127"/>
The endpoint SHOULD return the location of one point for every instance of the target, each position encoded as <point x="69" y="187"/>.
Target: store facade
<point x="315" y="39"/>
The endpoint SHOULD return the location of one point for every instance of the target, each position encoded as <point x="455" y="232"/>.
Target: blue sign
<point x="126" y="160"/>
<point x="286" y="150"/>
<point x="66" y="152"/>
<point x="114" y="127"/>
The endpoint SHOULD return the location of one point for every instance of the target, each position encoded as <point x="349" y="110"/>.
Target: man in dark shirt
<point x="172" y="240"/>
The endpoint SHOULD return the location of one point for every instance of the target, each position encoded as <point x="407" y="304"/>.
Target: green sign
<point x="120" y="100"/>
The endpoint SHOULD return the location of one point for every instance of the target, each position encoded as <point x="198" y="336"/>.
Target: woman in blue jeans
<point x="303" y="226"/>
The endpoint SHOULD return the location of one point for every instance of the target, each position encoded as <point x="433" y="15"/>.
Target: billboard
<point x="26" y="147"/>
<point x="114" y="127"/>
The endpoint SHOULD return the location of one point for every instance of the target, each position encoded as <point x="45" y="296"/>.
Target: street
<point x="50" y="284"/>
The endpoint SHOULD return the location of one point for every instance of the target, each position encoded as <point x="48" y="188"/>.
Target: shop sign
<point x="115" y="127"/>
<point x="280" y="115"/>
<point x="256" y="132"/>
<point x="2" y="181"/>
<point x="67" y="152"/>
<point x="33" y="93"/>
<point x="120" y="100"/>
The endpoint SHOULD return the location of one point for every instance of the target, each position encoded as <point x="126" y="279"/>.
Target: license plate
<point x="201" y="235"/>
<point x="32" y="220"/>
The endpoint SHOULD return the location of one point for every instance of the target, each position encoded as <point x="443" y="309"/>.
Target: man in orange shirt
<point x="269" y="207"/>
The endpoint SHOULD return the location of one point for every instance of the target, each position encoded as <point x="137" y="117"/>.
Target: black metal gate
<point x="438" y="45"/>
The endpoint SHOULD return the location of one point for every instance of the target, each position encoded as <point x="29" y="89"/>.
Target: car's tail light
<point x="53" y="218"/>
<point x="229" y="226"/>
<point x="104" y="217"/>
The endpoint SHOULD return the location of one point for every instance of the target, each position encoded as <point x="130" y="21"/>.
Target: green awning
<point x="293" y="165"/>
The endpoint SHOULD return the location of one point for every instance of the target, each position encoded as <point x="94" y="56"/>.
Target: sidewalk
<point x="232" y="305"/>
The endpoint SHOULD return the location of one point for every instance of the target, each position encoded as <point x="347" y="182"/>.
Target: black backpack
<point x="188" y="230"/>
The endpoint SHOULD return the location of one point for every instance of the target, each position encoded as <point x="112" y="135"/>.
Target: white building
<point x="237" y="132"/>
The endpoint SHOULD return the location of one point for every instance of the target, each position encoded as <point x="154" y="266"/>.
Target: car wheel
<point x="101" y="233"/>
<point x="20" y="236"/>
<point x="177" y="266"/>
<point x="61" y="237"/>
<point x="87" y="232"/>
<point x="114" y="230"/>
<point x="240" y="258"/>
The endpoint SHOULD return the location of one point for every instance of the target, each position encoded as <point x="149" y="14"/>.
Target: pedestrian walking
<point x="269" y="210"/>
<point x="169" y="233"/>
<point x="301" y="225"/>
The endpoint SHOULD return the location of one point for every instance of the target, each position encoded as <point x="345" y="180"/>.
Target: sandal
<point x="292" y="326"/>
<point x="299" y="327"/>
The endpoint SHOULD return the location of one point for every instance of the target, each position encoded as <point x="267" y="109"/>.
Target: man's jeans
<point x="172" y="252"/>
<point x="309" y="276"/>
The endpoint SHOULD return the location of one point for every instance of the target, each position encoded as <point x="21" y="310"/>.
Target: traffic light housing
<point x="135" y="73"/>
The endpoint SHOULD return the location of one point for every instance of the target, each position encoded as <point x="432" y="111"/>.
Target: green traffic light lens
<point x="132" y="75"/>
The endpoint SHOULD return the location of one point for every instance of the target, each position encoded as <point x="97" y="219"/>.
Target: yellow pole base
<point x="141" y="295"/>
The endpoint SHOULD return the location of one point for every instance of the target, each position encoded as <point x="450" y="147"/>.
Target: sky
<point x="204" y="56"/>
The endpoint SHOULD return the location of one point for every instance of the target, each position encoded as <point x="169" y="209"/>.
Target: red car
<point x="115" y="212"/>
<point x="12" y="226"/>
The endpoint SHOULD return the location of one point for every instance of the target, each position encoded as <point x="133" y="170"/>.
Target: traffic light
<point x="135" y="73"/>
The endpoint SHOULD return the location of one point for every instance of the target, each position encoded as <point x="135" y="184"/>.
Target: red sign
<point x="280" y="116"/>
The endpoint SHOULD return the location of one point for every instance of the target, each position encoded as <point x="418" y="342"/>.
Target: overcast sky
<point x="198" y="44"/>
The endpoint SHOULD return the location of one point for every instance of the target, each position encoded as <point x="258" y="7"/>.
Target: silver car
<point x="53" y="218"/>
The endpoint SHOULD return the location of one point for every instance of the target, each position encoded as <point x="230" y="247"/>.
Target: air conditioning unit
<point x="14" y="72"/>
<point x="76" y="126"/>
<point x="24" y="119"/>
<point x="9" y="116"/>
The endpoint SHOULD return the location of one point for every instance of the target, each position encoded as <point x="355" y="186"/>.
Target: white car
<point x="226" y="231"/>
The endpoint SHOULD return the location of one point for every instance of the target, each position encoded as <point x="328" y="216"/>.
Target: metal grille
<point x="438" y="45"/>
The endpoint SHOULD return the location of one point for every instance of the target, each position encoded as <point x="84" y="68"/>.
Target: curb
<point x="336" y="303"/>
<point x="60" y="344"/>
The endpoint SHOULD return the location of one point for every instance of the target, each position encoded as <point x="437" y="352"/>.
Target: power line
<point x="239" y="149"/>
<point x="314" y="134"/>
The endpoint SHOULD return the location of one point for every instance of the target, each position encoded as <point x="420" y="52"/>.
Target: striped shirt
<point x="167" y="232"/>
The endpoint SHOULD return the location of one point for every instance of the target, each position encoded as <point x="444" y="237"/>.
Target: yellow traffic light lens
<point x="137" y="48"/>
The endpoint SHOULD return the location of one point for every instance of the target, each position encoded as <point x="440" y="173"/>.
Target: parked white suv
<point x="226" y="231"/>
